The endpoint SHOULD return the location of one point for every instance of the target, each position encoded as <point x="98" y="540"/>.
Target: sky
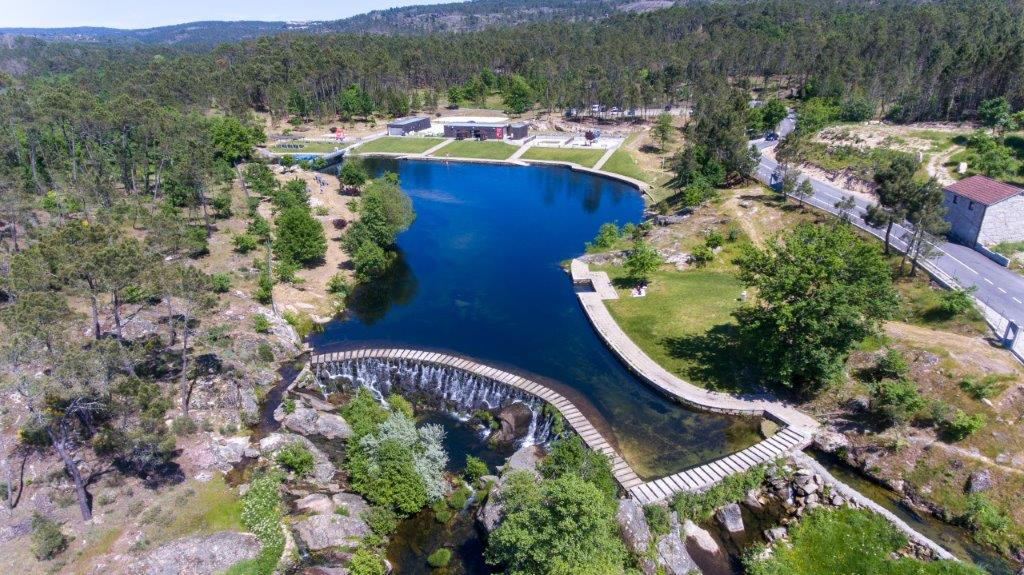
<point x="136" y="14"/>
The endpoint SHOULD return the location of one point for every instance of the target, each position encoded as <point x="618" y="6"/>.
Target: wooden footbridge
<point x="696" y="479"/>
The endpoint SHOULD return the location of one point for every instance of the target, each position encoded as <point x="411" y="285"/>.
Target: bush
<point x="338" y="285"/>
<point x="302" y="322"/>
<point x="657" y="519"/>
<point x="897" y="401"/>
<point x="475" y="469"/>
<point x="987" y="387"/>
<point x="365" y="562"/>
<point x="220" y="283"/>
<point x="47" y="538"/>
<point x="222" y="205"/>
<point x="442" y="514"/>
<point x="296" y="458"/>
<point x="701" y="256"/>
<point x="371" y="261"/>
<point x="353" y="173"/>
<point x="714" y="240"/>
<point x="264" y="290"/>
<point x="260" y="323"/>
<point x="245" y="243"/>
<point x="288" y="406"/>
<point x="955" y="302"/>
<point x="961" y="425"/>
<point x="892" y="365"/>
<point x="460" y="497"/>
<point x="184" y="425"/>
<point x="381" y="520"/>
<point x="258" y="228"/>
<point x="439" y="558"/>
<point x="985" y="519"/>
<point x="363" y="413"/>
<point x="570" y="457"/>
<point x="606" y="237"/>
<point x="284" y="272"/>
<point x="265" y="352"/>
<point x="196" y="243"/>
<point x="399" y="404"/>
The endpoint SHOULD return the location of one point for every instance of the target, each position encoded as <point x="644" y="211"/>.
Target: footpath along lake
<point x="480" y="276"/>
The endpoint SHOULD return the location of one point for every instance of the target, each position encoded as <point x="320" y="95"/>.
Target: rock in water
<point x="703" y="549"/>
<point x="730" y="517"/>
<point x="633" y="526"/>
<point x="979" y="481"/>
<point x="831" y="441"/>
<point x="515" y="421"/>
<point x="200" y="555"/>
<point x="322" y="532"/>
<point x="673" y="558"/>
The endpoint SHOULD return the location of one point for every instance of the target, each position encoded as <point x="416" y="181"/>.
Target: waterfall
<point x="442" y="387"/>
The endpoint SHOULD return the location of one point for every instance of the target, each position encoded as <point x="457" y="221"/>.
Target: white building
<point x="984" y="211"/>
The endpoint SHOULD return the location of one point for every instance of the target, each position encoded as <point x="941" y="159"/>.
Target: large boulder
<point x="633" y="526"/>
<point x="672" y="556"/>
<point x="704" y="549"/>
<point x="730" y="517"/>
<point x="199" y="555"/>
<point x="525" y="459"/>
<point x="321" y="532"/>
<point x="515" y="422"/>
<point x="306" y="421"/>
<point x="831" y="441"/>
<point x="314" y="503"/>
<point x="352" y="503"/>
<point x="979" y="481"/>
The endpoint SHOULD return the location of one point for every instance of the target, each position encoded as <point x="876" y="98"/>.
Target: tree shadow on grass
<point x="718" y="360"/>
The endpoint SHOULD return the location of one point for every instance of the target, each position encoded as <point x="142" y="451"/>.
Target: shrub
<point x="363" y="413"/>
<point x="439" y="558"/>
<point x="460" y="497"/>
<point x="245" y="243"/>
<point x="196" y="243"/>
<point x="475" y="469"/>
<point x="296" y="458"/>
<point x="338" y="285"/>
<point x="570" y="457"/>
<point x="606" y="237"/>
<point x="222" y="205"/>
<point x="47" y="538"/>
<point x="264" y="289"/>
<point x="896" y="400"/>
<point x="381" y="520"/>
<point x="284" y="273"/>
<point x="321" y="211"/>
<point x="258" y="228"/>
<point x="714" y="240"/>
<point x="399" y="404"/>
<point x="365" y="562"/>
<point x="985" y="519"/>
<point x="265" y="352"/>
<point x="302" y="322"/>
<point x="987" y="387"/>
<point x="892" y="365"/>
<point x="961" y="425"/>
<point x="955" y="302"/>
<point x="657" y="519"/>
<point x="642" y="261"/>
<point x="184" y="425"/>
<point x="701" y="256"/>
<point x="220" y="283"/>
<point x="288" y="406"/>
<point x="442" y="514"/>
<point x="260" y="323"/>
<point x="371" y="261"/>
<point x="353" y="173"/>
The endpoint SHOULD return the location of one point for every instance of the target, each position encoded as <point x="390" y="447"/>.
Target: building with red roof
<point x="984" y="211"/>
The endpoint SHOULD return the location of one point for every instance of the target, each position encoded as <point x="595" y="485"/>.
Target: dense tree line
<point x="908" y="60"/>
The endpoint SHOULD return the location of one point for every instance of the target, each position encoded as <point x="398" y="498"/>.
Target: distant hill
<point x="407" y="20"/>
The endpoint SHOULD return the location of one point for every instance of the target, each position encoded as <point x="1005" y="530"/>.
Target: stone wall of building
<point x="1004" y="222"/>
<point x="965" y="218"/>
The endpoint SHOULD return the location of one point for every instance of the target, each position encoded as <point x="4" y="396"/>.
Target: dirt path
<point x="310" y="295"/>
<point x="969" y="351"/>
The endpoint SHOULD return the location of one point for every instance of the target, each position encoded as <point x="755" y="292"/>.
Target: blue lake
<point x="480" y="275"/>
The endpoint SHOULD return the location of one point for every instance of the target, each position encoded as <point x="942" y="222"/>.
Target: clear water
<point x="480" y="275"/>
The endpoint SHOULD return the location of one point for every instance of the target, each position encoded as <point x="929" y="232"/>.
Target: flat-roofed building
<point x="408" y="125"/>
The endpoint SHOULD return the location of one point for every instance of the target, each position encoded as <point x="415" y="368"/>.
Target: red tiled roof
<point x="984" y="190"/>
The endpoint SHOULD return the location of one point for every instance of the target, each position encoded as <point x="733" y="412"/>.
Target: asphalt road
<point x="997" y="287"/>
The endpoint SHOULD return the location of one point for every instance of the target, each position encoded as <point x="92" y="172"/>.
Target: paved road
<point x="997" y="287"/>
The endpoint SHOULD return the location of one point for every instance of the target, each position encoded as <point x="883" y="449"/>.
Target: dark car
<point x="771" y="137"/>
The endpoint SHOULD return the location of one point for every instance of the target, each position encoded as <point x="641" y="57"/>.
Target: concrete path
<point x="437" y="147"/>
<point x="604" y="158"/>
<point x="522" y="150"/>
<point x="649" y="370"/>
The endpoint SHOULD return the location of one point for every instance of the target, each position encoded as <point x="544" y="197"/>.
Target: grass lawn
<point x="920" y="305"/>
<point x="303" y="147"/>
<point x="584" y="157"/>
<point x="622" y="162"/>
<point x="192" y="509"/>
<point x="684" y="324"/>
<point x="398" y="145"/>
<point x="487" y="150"/>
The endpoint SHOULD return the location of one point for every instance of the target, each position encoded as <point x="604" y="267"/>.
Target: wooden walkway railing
<point x="695" y="479"/>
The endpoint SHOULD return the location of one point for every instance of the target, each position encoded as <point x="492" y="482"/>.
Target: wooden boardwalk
<point x="695" y="479"/>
